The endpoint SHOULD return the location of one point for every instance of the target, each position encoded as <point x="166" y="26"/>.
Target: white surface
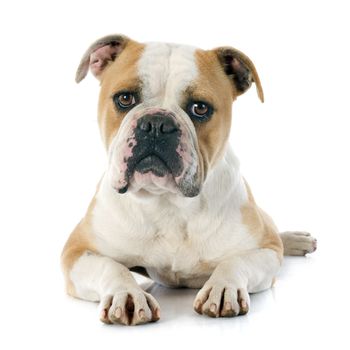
<point x="294" y="151"/>
<point x="307" y="308"/>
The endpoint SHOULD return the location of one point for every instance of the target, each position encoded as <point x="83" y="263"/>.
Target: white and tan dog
<point x="172" y="203"/>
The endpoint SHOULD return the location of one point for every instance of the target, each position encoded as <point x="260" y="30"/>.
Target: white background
<point x="294" y="151"/>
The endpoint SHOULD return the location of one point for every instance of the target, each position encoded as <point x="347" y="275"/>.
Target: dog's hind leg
<point x="297" y="243"/>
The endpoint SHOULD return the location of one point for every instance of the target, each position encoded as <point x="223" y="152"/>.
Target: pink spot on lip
<point x="133" y="124"/>
<point x="185" y="153"/>
<point x="127" y="150"/>
<point x="123" y="153"/>
<point x="122" y="186"/>
<point x="182" y="150"/>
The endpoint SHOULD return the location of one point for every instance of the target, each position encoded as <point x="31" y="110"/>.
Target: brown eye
<point x="124" y="100"/>
<point x="199" y="111"/>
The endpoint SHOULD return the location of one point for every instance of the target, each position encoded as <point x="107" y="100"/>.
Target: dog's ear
<point x="240" y="69"/>
<point x="100" y="54"/>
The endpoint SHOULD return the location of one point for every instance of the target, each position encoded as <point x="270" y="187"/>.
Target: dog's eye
<point x="199" y="110"/>
<point x="124" y="100"/>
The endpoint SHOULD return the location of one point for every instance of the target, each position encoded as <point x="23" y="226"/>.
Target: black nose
<point x="157" y="125"/>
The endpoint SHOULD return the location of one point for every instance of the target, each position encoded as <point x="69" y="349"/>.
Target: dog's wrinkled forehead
<point x="165" y="71"/>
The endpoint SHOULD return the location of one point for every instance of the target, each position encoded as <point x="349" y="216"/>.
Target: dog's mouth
<point x="154" y="164"/>
<point x="152" y="173"/>
<point x="151" y="169"/>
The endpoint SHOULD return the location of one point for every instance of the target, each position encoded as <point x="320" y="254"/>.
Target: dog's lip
<point x="151" y="154"/>
<point x="153" y="157"/>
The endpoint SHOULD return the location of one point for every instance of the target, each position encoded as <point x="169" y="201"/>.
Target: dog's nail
<point x="198" y="304"/>
<point x="123" y="190"/>
<point x="243" y="304"/>
<point x="103" y="314"/>
<point x="158" y="313"/>
<point x="118" y="312"/>
<point x="213" y="308"/>
<point x="142" y="313"/>
<point x="228" y="306"/>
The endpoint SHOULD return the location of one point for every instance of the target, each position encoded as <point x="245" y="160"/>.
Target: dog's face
<point x="165" y="110"/>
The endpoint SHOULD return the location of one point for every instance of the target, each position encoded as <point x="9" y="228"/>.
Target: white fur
<point x="166" y="70"/>
<point x="98" y="278"/>
<point x="298" y="243"/>
<point x="246" y="272"/>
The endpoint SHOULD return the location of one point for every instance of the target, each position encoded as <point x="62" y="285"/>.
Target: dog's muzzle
<point x="156" y="153"/>
<point x="157" y="138"/>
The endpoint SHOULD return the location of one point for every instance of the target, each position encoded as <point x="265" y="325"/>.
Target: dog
<point x="172" y="204"/>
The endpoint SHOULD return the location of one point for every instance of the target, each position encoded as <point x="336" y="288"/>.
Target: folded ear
<point x="240" y="69"/>
<point x="100" y="54"/>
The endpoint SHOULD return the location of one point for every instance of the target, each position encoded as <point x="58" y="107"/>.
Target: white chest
<point x="179" y="241"/>
<point x="175" y="249"/>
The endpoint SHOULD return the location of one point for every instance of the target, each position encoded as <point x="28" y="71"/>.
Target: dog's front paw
<point x="220" y="300"/>
<point x="130" y="307"/>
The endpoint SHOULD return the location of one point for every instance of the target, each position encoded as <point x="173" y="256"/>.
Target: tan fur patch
<point x="80" y="241"/>
<point x="122" y="74"/>
<point x="261" y="225"/>
<point x="214" y="87"/>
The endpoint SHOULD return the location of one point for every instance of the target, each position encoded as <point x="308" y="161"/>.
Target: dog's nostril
<point x="145" y="126"/>
<point x="167" y="127"/>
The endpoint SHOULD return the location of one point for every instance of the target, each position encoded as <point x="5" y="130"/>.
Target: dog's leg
<point x="298" y="243"/>
<point x="93" y="277"/>
<point x="226" y="291"/>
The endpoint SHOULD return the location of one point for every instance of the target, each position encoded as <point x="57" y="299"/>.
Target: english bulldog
<point x="172" y="203"/>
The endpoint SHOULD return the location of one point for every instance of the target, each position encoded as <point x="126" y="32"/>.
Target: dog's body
<point x="172" y="203"/>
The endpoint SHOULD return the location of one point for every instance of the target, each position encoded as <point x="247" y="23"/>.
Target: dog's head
<point x="165" y="110"/>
